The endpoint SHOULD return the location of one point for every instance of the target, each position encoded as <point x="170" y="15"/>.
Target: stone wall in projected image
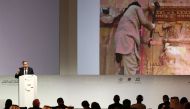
<point x="173" y="26"/>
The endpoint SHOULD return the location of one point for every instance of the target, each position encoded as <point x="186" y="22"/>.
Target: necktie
<point x="25" y="71"/>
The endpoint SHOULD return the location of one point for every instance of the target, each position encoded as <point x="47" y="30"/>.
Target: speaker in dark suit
<point x="25" y="70"/>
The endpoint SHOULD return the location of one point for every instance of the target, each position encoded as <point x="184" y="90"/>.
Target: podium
<point x="27" y="90"/>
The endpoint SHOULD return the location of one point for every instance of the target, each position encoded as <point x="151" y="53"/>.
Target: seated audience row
<point x="172" y="103"/>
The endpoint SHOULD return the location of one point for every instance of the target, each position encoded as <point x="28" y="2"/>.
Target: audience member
<point x="139" y="104"/>
<point x="183" y="100"/>
<point x="8" y="103"/>
<point x="116" y="104"/>
<point x="165" y="104"/>
<point x="95" y="105"/>
<point x="85" y="104"/>
<point x="187" y="105"/>
<point x="174" y="103"/>
<point x="126" y="104"/>
<point x="36" y="104"/>
<point x="14" y="107"/>
<point x="61" y="104"/>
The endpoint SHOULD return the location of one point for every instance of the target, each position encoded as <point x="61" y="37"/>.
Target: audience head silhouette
<point x="60" y="101"/>
<point x="139" y="104"/>
<point x="95" y="105"/>
<point x="85" y="104"/>
<point x="165" y="98"/>
<point x="165" y="104"/>
<point x="174" y="102"/>
<point x="183" y="100"/>
<point x="139" y="99"/>
<point x="8" y="103"/>
<point x="36" y="104"/>
<point x="116" y="98"/>
<point x="116" y="104"/>
<point x="126" y="104"/>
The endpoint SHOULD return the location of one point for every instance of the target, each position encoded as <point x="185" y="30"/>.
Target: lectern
<point x="27" y="90"/>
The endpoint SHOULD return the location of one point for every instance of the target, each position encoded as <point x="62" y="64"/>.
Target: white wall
<point x="29" y="30"/>
<point x="88" y="37"/>
<point x="75" y="89"/>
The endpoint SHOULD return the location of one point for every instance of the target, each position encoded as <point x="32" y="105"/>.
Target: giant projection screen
<point x="29" y="30"/>
<point x="170" y="48"/>
<point x="96" y="38"/>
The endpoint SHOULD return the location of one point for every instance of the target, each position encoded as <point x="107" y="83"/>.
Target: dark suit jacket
<point x="59" y="107"/>
<point x="35" y="108"/>
<point x="115" y="106"/>
<point x="21" y="72"/>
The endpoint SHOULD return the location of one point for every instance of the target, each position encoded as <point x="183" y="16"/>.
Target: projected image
<point x="126" y="51"/>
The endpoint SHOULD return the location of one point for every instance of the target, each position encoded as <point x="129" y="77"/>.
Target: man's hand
<point x="155" y="42"/>
<point x="17" y="72"/>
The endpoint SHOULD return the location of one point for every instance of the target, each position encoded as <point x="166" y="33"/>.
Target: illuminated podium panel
<point x="27" y="90"/>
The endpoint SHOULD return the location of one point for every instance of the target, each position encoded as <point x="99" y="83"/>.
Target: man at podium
<point x="24" y="70"/>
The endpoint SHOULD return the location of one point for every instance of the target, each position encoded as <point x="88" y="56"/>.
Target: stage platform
<point x="75" y="89"/>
